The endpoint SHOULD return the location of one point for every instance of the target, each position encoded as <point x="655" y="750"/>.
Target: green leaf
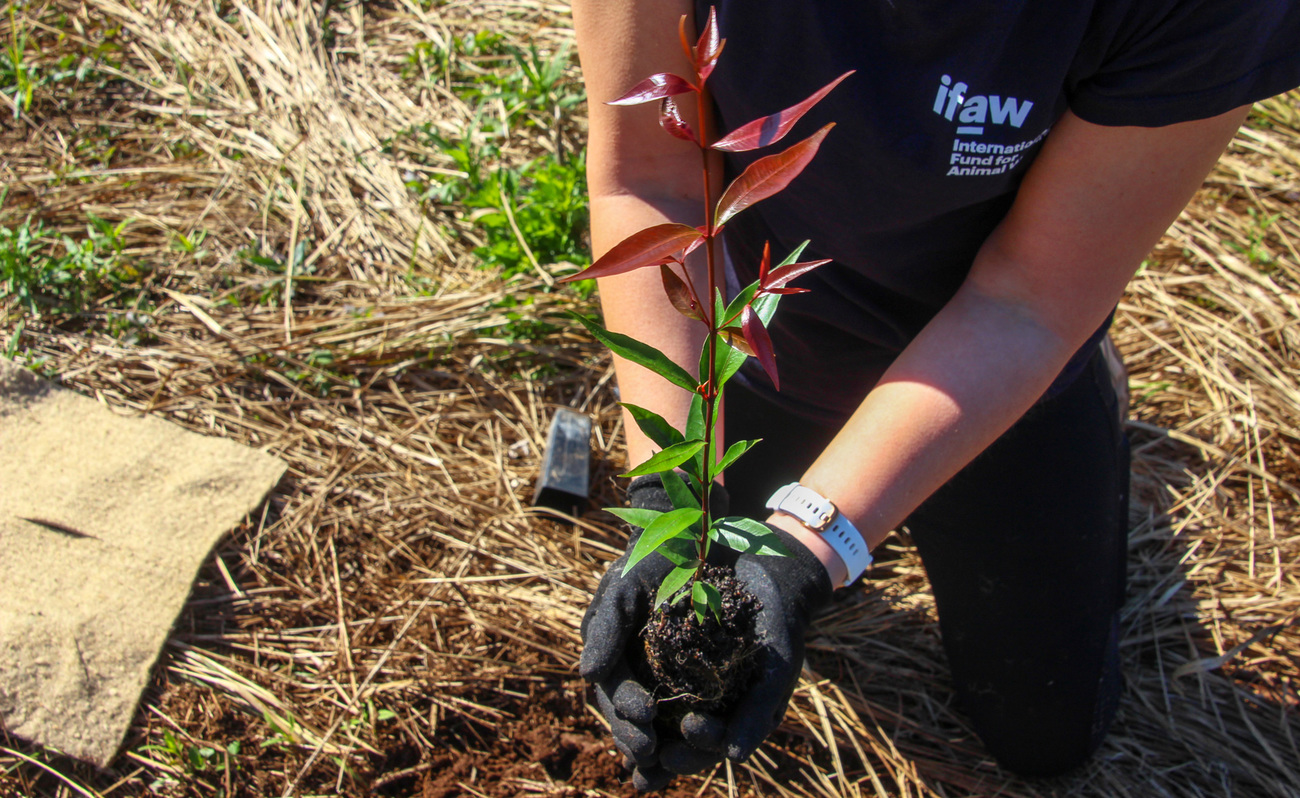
<point x="695" y="419"/>
<point x="765" y="306"/>
<point x="732" y="314"/>
<point x="729" y="359"/>
<point x="637" y="517"/>
<point x="695" y="431"/>
<point x="747" y="536"/>
<point x="654" y="426"/>
<point x="704" y="359"/>
<point x="667" y="459"/>
<point x="666" y="527"/>
<point x="706" y="597"/>
<point x="734" y="451"/>
<point x="680" y="551"/>
<point x="674" y="581"/>
<point x="678" y="492"/>
<point x="642" y="354"/>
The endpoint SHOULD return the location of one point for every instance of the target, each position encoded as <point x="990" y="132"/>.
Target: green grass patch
<point x="534" y="211"/>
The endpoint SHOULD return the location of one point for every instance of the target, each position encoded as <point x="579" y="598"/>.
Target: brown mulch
<point x="397" y="620"/>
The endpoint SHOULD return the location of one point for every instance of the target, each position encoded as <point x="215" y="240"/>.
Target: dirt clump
<point x="703" y="667"/>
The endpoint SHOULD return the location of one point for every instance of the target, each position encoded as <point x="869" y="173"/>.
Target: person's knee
<point x="1056" y="736"/>
<point x="1039" y="755"/>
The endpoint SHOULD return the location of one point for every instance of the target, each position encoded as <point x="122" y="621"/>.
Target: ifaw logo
<point x="978" y="110"/>
<point x="974" y="114"/>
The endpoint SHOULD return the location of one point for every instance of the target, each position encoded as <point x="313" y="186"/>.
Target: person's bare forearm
<point x="635" y="304"/>
<point x="974" y="370"/>
<point x="639" y="177"/>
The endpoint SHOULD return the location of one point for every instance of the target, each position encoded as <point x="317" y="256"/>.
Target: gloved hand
<point x="791" y="590"/>
<point x="618" y="610"/>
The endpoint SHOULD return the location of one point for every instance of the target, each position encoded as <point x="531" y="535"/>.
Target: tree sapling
<point x="687" y="460"/>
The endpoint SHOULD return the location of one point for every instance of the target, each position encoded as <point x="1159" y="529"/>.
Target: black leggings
<point x="1025" y="552"/>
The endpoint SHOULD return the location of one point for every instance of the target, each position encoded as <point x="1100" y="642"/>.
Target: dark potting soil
<point x="704" y="667"/>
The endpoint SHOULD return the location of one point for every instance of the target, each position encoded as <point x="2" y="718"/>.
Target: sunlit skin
<point x="1092" y="204"/>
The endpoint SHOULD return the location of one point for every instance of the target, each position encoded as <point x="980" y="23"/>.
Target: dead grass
<point x="398" y="621"/>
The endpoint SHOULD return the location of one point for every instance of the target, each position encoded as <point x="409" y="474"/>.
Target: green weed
<point x="545" y="80"/>
<point x="547" y="93"/>
<point x="270" y="291"/>
<point x="43" y="272"/>
<point x="462" y="65"/>
<point x="15" y="338"/>
<point x="316" y="373"/>
<point x="548" y="202"/>
<point x="285" y="732"/>
<point x="368" y="719"/>
<point x="193" y="758"/>
<point x="1142" y="391"/>
<point x="191" y="245"/>
<point x="546" y="197"/>
<point x="17" y="77"/>
<point x="23" y="71"/>
<point x="473" y="155"/>
<point x="521" y="326"/>
<point x="534" y="211"/>
<point x="1254" y="249"/>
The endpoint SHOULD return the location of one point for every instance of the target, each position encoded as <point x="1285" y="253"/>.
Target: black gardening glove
<point x="791" y="589"/>
<point x="618" y="610"/>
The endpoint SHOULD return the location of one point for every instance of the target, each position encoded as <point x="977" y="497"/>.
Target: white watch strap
<point x="817" y="513"/>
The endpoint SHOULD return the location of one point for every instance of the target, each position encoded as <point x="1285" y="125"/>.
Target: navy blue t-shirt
<point x="950" y="103"/>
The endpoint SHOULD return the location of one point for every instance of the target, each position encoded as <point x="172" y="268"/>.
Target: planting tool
<point x="566" y="463"/>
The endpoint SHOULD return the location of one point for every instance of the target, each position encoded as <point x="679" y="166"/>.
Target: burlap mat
<point x="104" y="522"/>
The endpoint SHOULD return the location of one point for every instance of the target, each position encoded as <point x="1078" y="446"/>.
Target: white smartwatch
<point x="816" y="512"/>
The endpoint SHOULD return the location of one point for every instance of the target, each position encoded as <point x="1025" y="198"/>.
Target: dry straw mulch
<point x="398" y="621"/>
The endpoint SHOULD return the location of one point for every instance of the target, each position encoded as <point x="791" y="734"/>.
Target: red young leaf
<point x="765" y="264"/>
<point x="784" y="274"/>
<point x="760" y="342"/>
<point x="771" y="129"/>
<point x="679" y="293"/>
<point x="768" y="175"/>
<point x="686" y="45"/>
<point x="694" y="245"/>
<point x="649" y="247"/>
<point x="706" y="69"/>
<point x="670" y="119"/>
<point x="708" y="47"/>
<point x="785" y="291"/>
<point x="655" y="87"/>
